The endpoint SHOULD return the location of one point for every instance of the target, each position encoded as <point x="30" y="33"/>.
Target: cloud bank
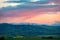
<point x="32" y="11"/>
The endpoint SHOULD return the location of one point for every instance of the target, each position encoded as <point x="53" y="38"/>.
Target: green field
<point x="29" y="38"/>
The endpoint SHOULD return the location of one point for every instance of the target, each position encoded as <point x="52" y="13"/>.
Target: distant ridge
<point x="28" y="29"/>
<point x="56" y="23"/>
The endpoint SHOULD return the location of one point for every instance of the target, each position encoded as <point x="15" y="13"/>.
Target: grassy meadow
<point x="29" y="38"/>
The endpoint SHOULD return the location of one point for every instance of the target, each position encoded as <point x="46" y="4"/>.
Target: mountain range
<point x="27" y="29"/>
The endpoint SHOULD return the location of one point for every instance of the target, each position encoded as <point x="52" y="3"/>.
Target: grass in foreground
<point x="28" y="38"/>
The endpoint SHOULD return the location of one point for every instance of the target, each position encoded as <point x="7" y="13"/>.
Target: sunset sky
<point x="29" y="11"/>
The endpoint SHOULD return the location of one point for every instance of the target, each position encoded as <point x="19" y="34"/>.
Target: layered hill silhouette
<point x="28" y="29"/>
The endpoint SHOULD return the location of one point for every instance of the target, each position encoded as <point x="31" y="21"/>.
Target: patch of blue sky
<point x="27" y="0"/>
<point x="27" y="4"/>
